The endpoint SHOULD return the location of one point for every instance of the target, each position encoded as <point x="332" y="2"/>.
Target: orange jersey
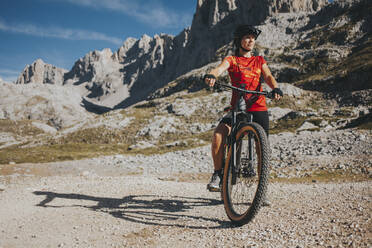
<point x="247" y="71"/>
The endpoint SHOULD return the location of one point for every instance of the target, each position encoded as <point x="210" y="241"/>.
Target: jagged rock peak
<point x="133" y="49"/>
<point x="85" y="64"/>
<point x="98" y="55"/>
<point x="127" y="45"/>
<point x="144" y="43"/>
<point x="129" y="42"/>
<point x="96" y="68"/>
<point x="211" y="12"/>
<point x="40" y="72"/>
<point x="231" y="3"/>
<point x="280" y="6"/>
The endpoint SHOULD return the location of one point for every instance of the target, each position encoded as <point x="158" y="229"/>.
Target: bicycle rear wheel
<point x="244" y="185"/>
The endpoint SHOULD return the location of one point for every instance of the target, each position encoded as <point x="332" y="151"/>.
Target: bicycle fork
<point x="243" y="165"/>
<point x="249" y="168"/>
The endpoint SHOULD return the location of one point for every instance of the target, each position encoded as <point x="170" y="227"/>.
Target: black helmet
<point x="242" y="30"/>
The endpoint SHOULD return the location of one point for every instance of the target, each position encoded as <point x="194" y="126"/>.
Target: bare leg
<point x="218" y="143"/>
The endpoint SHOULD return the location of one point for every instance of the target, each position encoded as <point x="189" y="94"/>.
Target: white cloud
<point x="8" y="71"/>
<point x="58" y="32"/>
<point x="8" y="75"/>
<point x="150" y="12"/>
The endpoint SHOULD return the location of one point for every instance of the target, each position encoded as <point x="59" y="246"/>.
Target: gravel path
<point x="138" y="211"/>
<point x="149" y="201"/>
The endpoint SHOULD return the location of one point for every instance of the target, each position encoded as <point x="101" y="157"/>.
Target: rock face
<point x="59" y="106"/>
<point x="210" y="13"/>
<point x="145" y="64"/>
<point x="98" y="76"/>
<point x="40" y="72"/>
<point x="341" y="36"/>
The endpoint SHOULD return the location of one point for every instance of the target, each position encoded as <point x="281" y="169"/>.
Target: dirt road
<point x="40" y="207"/>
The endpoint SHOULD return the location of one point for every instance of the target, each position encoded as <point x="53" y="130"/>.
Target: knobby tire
<point x="258" y="184"/>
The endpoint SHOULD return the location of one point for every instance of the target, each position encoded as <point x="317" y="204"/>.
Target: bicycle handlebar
<point x="265" y="93"/>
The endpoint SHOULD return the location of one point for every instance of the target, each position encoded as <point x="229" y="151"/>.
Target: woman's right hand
<point x="210" y="79"/>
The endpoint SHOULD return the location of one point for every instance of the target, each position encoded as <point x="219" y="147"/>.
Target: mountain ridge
<point x="140" y="67"/>
<point x="51" y="122"/>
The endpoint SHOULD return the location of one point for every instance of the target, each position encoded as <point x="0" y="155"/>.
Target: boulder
<point x="307" y="126"/>
<point x="276" y="113"/>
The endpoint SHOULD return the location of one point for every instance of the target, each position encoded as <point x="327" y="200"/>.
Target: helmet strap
<point x="245" y="50"/>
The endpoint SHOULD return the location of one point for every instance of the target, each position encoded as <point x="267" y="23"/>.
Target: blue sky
<point x="62" y="31"/>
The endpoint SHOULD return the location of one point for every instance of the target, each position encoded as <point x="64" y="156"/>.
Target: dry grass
<point x="35" y="100"/>
<point x="286" y="125"/>
<point x="58" y="152"/>
<point x="21" y="128"/>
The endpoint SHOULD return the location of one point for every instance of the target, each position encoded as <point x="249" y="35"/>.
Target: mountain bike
<point x="246" y="163"/>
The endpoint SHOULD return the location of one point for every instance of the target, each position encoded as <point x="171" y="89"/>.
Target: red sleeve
<point x="229" y="59"/>
<point x="232" y="62"/>
<point x="263" y="61"/>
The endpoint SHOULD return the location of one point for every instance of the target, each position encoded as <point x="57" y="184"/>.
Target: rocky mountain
<point x="341" y="36"/>
<point x="155" y="123"/>
<point x="40" y="72"/>
<point x="150" y="89"/>
<point x="139" y="67"/>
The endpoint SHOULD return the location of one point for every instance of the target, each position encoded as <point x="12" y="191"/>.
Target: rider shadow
<point x="144" y="209"/>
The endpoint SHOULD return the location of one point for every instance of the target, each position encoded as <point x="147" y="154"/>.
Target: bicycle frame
<point x="246" y="165"/>
<point x="238" y="108"/>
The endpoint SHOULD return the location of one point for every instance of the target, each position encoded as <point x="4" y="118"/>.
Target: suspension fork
<point x="250" y="145"/>
<point x="234" y="120"/>
<point x="239" y="106"/>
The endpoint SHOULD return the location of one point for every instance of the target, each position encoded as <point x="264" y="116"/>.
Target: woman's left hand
<point x="277" y="93"/>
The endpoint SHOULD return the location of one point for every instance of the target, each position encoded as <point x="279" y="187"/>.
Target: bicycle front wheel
<point x="244" y="184"/>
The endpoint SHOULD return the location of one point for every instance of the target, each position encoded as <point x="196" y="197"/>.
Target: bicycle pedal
<point x="213" y="189"/>
<point x="250" y="174"/>
<point x="248" y="170"/>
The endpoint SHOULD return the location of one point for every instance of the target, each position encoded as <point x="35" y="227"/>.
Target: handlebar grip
<point x="270" y="95"/>
<point x="208" y="76"/>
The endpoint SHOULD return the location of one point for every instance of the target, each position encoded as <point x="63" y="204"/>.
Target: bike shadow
<point x="172" y="211"/>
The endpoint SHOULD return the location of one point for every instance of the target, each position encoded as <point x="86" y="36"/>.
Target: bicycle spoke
<point x="244" y="190"/>
<point x="245" y="183"/>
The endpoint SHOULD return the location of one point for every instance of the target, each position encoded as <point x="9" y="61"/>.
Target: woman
<point x="244" y="70"/>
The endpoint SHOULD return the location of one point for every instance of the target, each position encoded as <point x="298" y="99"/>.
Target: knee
<point x="216" y="139"/>
<point x="220" y="133"/>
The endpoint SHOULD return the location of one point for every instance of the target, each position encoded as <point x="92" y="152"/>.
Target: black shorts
<point x="260" y="117"/>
